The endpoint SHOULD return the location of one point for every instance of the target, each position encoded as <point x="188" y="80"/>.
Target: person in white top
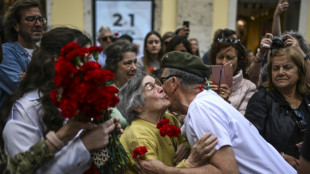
<point x="30" y="113"/>
<point x="240" y="147"/>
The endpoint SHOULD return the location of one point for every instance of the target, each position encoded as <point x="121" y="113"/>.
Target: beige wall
<point x="169" y="16"/>
<point x="68" y="13"/>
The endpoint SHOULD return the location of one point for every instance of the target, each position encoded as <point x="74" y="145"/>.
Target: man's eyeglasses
<point x="32" y="20"/>
<point x="231" y="40"/>
<point x="300" y="120"/>
<point x="166" y="78"/>
<point x="104" y="39"/>
<point x="150" y="87"/>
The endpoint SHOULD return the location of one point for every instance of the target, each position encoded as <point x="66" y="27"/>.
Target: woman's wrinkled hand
<point x="202" y="151"/>
<point x="152" y="166"/>
<point x="181" y="153"/>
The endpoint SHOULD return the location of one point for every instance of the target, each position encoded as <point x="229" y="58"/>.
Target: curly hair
<point x="13" y="16"/>
<point x="241" y="54"/>
<point x="115" y="53"/>
<point x="302" y="87"/>
<point x="40" y="76"/>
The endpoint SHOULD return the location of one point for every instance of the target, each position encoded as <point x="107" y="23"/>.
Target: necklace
<point x="295" y="105"/>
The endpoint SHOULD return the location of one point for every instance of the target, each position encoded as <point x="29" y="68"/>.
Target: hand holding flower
<point x="139" y="151"/>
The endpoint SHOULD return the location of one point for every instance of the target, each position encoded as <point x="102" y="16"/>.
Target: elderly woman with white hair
<point x="143" y="103"/>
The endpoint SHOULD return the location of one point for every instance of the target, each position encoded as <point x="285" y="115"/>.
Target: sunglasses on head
<point x="231" y="40"/>
<point x="104" y="39"/>
<point x="300" y="120"/>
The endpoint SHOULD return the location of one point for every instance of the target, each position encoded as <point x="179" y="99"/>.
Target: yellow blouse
<point x="144" y="133"/>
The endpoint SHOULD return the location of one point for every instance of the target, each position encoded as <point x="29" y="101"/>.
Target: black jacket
<point x="269" y="112"/>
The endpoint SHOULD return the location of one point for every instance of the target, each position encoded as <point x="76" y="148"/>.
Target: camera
<point x="278" y="42"/>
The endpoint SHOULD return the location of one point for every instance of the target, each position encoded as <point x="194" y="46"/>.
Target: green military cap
<point x="186" y="62"/>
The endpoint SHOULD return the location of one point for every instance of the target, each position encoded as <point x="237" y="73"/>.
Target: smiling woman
<point x="280" y="111"/>
<point x="144" y="103"/>
<point x="121" y="60"/>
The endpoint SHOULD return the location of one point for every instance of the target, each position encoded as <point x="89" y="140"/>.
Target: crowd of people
<point x="259" y="124"/>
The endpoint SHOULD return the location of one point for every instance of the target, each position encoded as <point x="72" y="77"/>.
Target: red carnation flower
<point x="68" y="108"/>
<point x="54" y="97"/>
<point x="151" y="70"/>
<point x="172" y="131"/>
<point x="162" y="122"/>
<point x="95" y="48"/>
<point x="139" y="151"/>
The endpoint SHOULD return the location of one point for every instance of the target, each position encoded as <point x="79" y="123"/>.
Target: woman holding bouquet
<point x="144" y="103"/>
<point x="30" y="113"/>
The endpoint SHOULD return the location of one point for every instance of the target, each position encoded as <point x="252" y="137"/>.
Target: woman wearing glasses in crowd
<point x="122" y="61"/>
<point x="153" y="49"/>
<point x="144" y="103"/>
<point x="280" y="110"/>
<point x="231" y="50"/>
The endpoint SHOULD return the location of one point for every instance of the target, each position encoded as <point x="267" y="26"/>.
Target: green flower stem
<point x="174" y="144"/>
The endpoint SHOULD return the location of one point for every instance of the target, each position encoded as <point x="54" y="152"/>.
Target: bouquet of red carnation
<point x="172" y="131"/>
<point x="84" y="91"/>
<point x="139" y="151"/>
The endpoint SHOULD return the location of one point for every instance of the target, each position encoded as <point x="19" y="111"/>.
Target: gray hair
<point x="115" y="53"/>
<point x="103" y="29"/>
<point x="130" y="96"/>
<point x="185" y="78"/>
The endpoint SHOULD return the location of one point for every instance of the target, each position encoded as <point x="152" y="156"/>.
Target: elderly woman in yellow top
<point x="144" y="103"/>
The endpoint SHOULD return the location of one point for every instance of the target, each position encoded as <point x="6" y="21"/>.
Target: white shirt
<point x="30" y="52"/>
<point x="25" y="128"/>
<point x="208" y="112"/>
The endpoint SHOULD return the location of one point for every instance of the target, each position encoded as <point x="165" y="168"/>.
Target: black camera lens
<point x="277" y="42"/>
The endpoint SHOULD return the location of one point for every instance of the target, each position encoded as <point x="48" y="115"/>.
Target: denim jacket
<point x="15" y="61"/>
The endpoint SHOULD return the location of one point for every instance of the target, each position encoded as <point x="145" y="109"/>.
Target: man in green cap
<point x="240" y="147"/>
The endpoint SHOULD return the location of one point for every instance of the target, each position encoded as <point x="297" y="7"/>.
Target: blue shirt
<point x="15" y="61"/>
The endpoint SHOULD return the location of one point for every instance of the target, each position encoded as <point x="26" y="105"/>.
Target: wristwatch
<point x="307" y="57"/>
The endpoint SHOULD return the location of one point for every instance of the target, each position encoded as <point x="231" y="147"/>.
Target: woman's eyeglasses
<point x="150" y="87"/>
<point x="231" y="40"/>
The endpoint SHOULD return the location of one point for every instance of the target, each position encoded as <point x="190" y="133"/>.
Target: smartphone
<point x="186" y="23"/>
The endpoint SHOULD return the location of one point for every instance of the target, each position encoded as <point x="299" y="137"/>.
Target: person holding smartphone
<point x="184" y="31"/>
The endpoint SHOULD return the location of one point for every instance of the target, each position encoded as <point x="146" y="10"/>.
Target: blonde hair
<point x="302" y="86"/>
